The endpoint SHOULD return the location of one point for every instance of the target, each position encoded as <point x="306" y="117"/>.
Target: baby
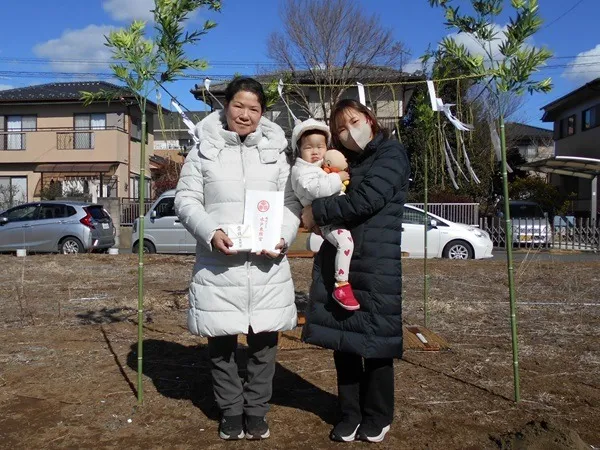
<point x="310" y="140"/>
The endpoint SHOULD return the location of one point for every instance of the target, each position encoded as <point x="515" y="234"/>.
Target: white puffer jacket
<point x="310" y="181"/>
<point x="229" y="294"/>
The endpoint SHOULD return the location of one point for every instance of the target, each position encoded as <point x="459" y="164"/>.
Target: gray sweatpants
<point x="251" y="396"/>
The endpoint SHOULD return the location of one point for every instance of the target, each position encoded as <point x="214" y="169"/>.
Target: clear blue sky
<point x="43" y="36"/>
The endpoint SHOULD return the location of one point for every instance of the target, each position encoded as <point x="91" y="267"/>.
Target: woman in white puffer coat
<point x="243" y="292"/>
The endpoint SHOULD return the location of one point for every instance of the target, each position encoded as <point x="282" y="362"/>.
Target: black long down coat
<point x="372" y="210"/>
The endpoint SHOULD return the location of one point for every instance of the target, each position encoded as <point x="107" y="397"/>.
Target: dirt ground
<point x="68" y="361"/>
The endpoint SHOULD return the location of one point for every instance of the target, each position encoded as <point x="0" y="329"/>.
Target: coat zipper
<point x="248" y="279"/>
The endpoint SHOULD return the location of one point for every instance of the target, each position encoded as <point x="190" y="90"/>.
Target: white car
<point x="445" y="239"/>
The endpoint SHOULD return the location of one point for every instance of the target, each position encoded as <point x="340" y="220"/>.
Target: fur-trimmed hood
<point x="269" y="138"/>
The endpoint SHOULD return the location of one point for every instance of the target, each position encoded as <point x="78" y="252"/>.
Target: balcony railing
<point x="13" y="140"/>
<point x="66" y="138"/>
<point x="74" y="140"/>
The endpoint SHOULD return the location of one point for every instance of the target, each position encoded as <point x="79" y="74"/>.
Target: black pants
<point x="365" y="388"/>
<point x="250" y="396"/>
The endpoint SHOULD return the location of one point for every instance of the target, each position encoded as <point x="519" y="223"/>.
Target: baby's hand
<point x="344" y="176"/>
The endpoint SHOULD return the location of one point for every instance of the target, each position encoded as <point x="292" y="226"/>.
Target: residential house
<point x="53" y="145"/>
<point x="532" y="143"/>
<point x="387" y="99"/>
<point x="575" y="166"/>
<point x="172" y="139"/>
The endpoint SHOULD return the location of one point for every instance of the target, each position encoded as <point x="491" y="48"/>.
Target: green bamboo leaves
<point x="505" y="64"/>
<point x="142" y="64"/>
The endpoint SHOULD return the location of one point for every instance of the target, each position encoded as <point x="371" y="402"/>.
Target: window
<point x="13" y="191"/>
<point x="571" y="125"/>
<point x="21" y="213"/>
<point x="590" y="118"/>
<point x="56" y="211"/>
<point x="566" y="127"/>
<point x="136" y="129"/>
<point x="525" y="210"/>
<point x="416" y="217"/>
<point x="165" y="208"/>
<point x="134" y="187"/>
<point x="85" y="140"/>
<point x="16" y="126"/>
<point x="97" y="212"/>
<point x="413" y="216"/>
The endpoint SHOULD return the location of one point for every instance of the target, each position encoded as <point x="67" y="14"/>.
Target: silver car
<point x="163" y="232"/>
<point x="530" y="224"/>
<point x="56" y="226"/>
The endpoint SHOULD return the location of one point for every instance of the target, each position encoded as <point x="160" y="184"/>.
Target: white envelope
<point x="241" y="236"/>
<point x="264" y="214"/>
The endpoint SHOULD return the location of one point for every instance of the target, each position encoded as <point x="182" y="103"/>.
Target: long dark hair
<point x="349" y="103"/>
<point x="246" y="84"/>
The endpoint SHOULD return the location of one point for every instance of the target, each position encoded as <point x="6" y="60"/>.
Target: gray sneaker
<point x="257" y="428"/>
<point x="231" y="428"/>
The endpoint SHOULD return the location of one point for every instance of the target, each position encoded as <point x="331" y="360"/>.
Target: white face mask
<point x="357" y="137"/>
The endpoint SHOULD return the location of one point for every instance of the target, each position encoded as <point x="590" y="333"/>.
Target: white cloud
<point x="585" y="67"/>
<point x="413" y="66"/>
<point x="85" y="47"/>
<point x="475" y="47"/>
<point x="4" y="87"/>
<point x="126" y="10"/>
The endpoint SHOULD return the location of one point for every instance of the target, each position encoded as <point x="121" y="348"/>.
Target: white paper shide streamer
<point x="361" y="93"/>
<point x="190" y="125"/>
<point x="280" y="90"/>
<point x="438" y="105"/>
<point x="207" y="87"/>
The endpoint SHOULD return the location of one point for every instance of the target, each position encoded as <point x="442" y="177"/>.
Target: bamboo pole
<point x="141" y="203"/>
<point x="509" y="263"/>
<point x="425" y="227"/>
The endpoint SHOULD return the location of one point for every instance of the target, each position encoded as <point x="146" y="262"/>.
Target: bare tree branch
<point x="335" y="42"/>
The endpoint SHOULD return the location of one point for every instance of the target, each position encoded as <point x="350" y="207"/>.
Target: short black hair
<point x="246" y="84"/>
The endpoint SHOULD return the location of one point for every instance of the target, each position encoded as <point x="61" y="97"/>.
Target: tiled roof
<point x="58" y="92"/>
<point x="523" y="131"/>
<point x="573" y="98"/>
<point x="364" y="74"/>
<point x="174" y="121"/>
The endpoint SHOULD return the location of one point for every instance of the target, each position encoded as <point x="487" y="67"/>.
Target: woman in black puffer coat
<point x="365" y="341"/>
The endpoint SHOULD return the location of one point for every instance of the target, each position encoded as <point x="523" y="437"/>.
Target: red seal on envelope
<point x="263" y="206"/>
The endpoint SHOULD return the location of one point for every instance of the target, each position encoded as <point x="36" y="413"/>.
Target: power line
<point x="66" y="61"/>
<point x="563" y="14"/>
<point x="213" y="63"/>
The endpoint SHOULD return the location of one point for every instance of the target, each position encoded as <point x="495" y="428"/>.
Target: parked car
<point x="445" y="239"/>
<point x="530" y="224"/>
<point x="163" y="232"/>
<point x="56" y="226"/>
<point x="564" y="226"/>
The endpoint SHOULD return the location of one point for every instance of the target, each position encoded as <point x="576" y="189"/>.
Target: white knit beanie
<point x="309" y="124"/>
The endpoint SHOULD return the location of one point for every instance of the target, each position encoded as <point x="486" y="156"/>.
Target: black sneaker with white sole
<point x="371" y="433"/>
<point x="344" y="432"/>
<point x="231" y="428"/>
<point x="257" y="428"/>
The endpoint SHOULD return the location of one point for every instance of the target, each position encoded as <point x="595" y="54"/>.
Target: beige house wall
<point x="41" y="147"/>
<point x="111" y="145"/>
<point x="24" y="170"/>
<point x="387" y="104"/>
